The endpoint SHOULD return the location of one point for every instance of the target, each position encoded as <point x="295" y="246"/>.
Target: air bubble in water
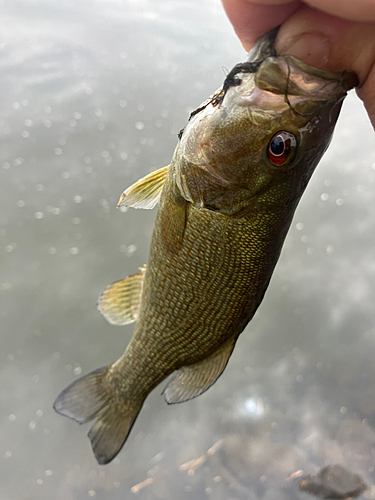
<point x="130" y="250"/>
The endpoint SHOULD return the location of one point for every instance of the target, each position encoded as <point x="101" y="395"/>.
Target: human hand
<point x="330" y="34"/>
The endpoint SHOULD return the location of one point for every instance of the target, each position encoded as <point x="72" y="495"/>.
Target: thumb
<point x="334" y="44"/>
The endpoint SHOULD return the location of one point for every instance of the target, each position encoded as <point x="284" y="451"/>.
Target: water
<point x="93" y="94"/>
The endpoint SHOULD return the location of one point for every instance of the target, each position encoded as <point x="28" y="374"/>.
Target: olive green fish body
<point x="203" y="295"/>
<point x="225" y="204"/>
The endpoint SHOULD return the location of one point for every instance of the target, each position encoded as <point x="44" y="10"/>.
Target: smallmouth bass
<point x="225" y="204"/>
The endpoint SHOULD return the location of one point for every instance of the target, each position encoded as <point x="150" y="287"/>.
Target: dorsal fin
<point x="191" y="381"/>
<point x="121" y="301"/>
<point x="145" y="193"/>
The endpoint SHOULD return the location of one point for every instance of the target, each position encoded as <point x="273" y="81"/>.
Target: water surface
<point x="93" y="94"/>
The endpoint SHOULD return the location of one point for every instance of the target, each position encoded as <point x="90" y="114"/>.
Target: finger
<point x="250" y="20"/>
<point x="335" y="44"/>
<point x="358" y="10"/>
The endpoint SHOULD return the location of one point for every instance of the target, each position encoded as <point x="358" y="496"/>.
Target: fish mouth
<point x="265" y="76"/>
<point x="265" y="70"/>
<point x="288" y="76"/>
<point x="265" y="56"/>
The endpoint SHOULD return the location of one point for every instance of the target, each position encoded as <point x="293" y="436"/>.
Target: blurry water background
<point x="93" y="94"/>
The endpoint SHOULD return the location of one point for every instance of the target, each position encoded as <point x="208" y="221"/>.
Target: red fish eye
<point x="281" y="147"/>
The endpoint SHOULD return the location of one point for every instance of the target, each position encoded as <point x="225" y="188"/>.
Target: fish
<point x="225" y="204"/>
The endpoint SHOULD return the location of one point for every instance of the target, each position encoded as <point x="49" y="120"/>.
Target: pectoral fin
<point x="173" y="220"/>
<point x="191" y="381"/>
<point x="146" y="192"/>
<point x="121" y="301"/>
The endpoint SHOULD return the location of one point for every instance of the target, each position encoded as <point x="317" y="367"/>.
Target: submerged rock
<point x="333" y="482"/>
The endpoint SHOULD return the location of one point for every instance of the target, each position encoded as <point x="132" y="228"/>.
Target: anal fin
<point x="145" y="193"/>
<point x="191" y="381"/>
<point x="121" y="301"/>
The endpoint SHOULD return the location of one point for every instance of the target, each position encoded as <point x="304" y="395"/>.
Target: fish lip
<point x="286" y="75"/>
<point x="347" y="79"/>
<point x="264" y="50"/>
<point x="264" y="47"/>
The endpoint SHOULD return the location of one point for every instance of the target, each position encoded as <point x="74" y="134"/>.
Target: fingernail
<point x="312" y="48"/>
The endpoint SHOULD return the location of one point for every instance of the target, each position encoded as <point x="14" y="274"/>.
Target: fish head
<point x="257" y="143"/>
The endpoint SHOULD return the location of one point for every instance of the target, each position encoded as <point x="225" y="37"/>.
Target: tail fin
<point x="88" y="398"/>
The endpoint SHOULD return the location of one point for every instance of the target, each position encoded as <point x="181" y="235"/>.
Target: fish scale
<point x="188" y="339"/>
<point x="225" y="204"/>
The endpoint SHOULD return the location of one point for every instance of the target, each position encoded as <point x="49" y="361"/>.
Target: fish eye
<point x="281" y="147"/>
